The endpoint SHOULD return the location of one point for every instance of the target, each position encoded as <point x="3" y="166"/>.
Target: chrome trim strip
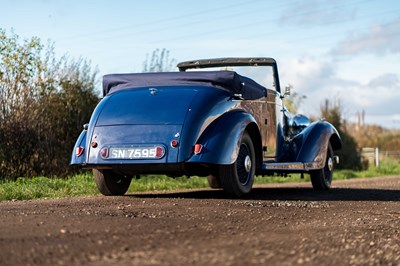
<point x="296" y="166"/>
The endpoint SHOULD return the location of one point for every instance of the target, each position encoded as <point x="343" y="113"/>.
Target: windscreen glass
<point x="262" y="75"/>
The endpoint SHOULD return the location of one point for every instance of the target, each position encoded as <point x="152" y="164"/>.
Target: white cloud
<point x="380" y="39"/>
<point x="388" y="80"/>
<point x="317" y="12"/>
<point x="307" y="73"/>
<point x="380" y="95"/>
<point x="318" y="80"/>
<point x="388" y="121"/>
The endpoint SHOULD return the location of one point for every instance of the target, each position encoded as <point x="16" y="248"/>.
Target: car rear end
<point x="139" y="130"/>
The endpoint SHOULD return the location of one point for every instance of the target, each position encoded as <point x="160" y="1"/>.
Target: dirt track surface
<point x="356" y="223"/>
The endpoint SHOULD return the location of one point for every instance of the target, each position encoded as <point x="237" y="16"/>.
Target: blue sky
<point x="347" y="51"/>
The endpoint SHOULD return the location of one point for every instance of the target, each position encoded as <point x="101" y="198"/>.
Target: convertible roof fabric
<point x="228" y="80"/>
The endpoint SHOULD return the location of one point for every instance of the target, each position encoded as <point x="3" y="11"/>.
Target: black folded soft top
<point x="228" y="80"/>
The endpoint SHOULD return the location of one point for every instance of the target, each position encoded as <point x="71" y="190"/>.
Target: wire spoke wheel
<point x="214" y="181"/>
<point x="243" y="164"/>
<point x="237" y="178"/>
<point x="110" y="183"/>
<point x="322" y="179"/>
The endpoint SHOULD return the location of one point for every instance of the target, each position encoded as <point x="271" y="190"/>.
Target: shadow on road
<point x="305" y="194"/>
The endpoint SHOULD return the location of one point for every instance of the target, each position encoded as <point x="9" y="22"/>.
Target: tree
<point x="348" y="154"/>
<point x="293" y="101"/>
<point x="159" y="62"/>
<point x="43" y="103"/>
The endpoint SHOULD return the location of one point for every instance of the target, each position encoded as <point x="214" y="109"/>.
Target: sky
<point x="347" y="51"/>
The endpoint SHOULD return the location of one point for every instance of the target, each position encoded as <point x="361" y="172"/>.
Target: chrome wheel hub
<point x="247" y="163"/>
<point x="330" y="164"/>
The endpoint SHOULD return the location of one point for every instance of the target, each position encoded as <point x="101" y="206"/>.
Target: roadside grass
<point x="43" y="187"/>
<point x="83" y="184"/>
<point x="386" y="168"/>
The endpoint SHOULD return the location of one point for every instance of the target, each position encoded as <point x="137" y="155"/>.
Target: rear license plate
<point x="136" y="153"/>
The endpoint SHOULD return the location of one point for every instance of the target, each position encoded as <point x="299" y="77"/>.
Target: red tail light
<point x="198" y="148"/>
<point x="79" y="151"/>
<point x="174" y="143"/>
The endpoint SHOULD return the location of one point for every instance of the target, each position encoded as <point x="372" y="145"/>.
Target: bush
<point x="44" y="103"/>
<point x="348" y="154"/>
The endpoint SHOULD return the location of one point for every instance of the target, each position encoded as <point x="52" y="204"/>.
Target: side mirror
<point x="288" y="89"/>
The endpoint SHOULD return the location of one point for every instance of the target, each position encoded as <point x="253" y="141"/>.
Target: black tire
<point x="214" y="181"/>
<point x="237" y="178"/>
<point x="111" y="184"/>
<point x="322" y="179"/>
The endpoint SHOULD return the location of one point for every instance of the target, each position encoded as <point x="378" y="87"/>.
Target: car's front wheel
<point x="110" y="183"/>
<point x="322" y="179"/>
<point x="237" y="178"/>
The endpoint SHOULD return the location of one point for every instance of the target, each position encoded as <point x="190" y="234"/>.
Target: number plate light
<point x="104" y="153"/>
<point x="160" y="152"/>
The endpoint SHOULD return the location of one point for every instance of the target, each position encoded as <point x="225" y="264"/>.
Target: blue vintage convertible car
<point x="214" y="123"/>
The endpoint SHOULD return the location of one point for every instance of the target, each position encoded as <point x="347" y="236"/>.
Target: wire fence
<point x="389" y="155"/>
<point x="373" y="155"/>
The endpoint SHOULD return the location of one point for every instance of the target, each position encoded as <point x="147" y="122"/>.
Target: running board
<point x="295" y="166"/>
<point x="284" y="166"/>
<point x="291" y="167"/>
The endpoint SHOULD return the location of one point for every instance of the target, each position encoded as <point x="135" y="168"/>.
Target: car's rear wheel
<point x="214" y="181"/>
<point x="322" y="179"/>
<point x="110" y="183"/>
<point x="237" y="178"/>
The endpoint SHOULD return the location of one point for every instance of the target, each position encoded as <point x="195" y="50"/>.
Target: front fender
<point x="222" y="138"/>
<point x="81" y="142"/>
<point x="312" y="144"/>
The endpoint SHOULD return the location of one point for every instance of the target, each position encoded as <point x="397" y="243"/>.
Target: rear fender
<point x="88" y="130"/>
<point x="312" y="144"/>
<point x="81" y="142"/>
<point x="222" y="138"/>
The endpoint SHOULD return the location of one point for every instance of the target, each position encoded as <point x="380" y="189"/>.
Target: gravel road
<point x="356" y="223"/>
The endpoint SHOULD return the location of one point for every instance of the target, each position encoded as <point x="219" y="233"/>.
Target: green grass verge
<point x="83" y="184"/>
<point x="43" y="187"/>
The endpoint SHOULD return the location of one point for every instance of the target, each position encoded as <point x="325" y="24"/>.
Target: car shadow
<point x="282" y="193"/>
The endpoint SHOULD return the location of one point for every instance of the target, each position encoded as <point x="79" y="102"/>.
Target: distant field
<point x="83" y="185"/>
